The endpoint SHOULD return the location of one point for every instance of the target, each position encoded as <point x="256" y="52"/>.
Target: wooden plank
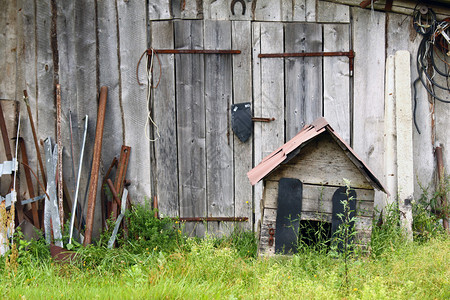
<point x="405" y="167"/>
<point x="164" y="114"/>
<point x="159" y="10"/>
<point x="336" y="79"/>
<point x="310" y="11"/>
<point x="26" y="74"/>
<point x="45" y="120"/>
<point x="318" y="198"/>
<point x="242" y="92"/>
<point x="405" y="38"/>
<point x="218" y="100"/>
<point x="109" y="74"/>
<point x="368" y="33"/>
<point x="267" y="10"/>
<point x="269" y="95"/>
<point x="328" y="12"/>
<point x="257" y="128"/>
<point x="322" y="162"/>
<point x="191" y="9"/>
<point x="390" y="132"/>
<point x="9" y="48"/>
<point x="299" y="10"/>
<point x="133" y="41"/>
<point x="303" y="76"/>
<point x="268" y="221"/>
<point x="191" y="129"/>
<point x="221" y="10"/>
<point x="68" y="81"/>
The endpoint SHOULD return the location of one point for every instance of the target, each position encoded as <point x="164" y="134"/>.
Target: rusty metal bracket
<point x="267" y="120"/>
<point x="191" y="51"/>
<point x="271" y="235"/>
<point x="350" y="54"/>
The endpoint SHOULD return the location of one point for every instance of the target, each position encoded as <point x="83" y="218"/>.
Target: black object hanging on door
<point x="241" y="120"/>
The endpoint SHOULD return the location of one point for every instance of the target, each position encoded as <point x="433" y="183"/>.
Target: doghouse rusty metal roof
<point x="292" y="148"/>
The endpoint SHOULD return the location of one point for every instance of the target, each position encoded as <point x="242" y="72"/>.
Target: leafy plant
<point x="343" y="238"/>
<point x="145" y="231"/>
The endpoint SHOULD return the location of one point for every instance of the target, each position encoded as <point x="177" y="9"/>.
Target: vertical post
<point x="95" y="165"/>
<point x="441" y="177"/>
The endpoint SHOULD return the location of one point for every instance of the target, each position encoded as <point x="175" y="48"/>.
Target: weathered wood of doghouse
<point x="321" y="165"/>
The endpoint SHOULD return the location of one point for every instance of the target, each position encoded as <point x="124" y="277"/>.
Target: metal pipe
<point x="95" y="165"/>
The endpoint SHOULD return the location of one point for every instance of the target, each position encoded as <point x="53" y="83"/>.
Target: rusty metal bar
<point x="191" y="51"/>
<point x="366" y="3"/>
<point x="113" y="191"/>
<point x="106" y="210"/>
<point x="213" y="219"/>
<point x="34" y="205"/>
<point x="441" y="177"/>
<point x="59" y="162"/>
<point x="36" y="144"/>
<point x="5" y="137"/>
<point x="254" y="119"/>
<point x="349" y="54"/>
<point x="95" y="165"/>
<point x="120" y="175"/>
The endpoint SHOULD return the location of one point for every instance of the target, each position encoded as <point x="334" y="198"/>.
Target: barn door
<point x="290" y="191"/>
<point x="195" y="153"/>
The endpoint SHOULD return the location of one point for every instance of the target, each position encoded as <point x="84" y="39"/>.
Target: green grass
<point x="208" y="269"/>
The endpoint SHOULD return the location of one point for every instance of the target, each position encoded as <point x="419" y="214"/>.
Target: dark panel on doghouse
<point x="339" y="211"/>
<point x="289" y="209"/>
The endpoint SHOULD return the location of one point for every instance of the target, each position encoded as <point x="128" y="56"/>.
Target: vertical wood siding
<point x="197" y="167"/>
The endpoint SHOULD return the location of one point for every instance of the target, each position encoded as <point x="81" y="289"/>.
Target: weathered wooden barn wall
<point x="198" y="167"/>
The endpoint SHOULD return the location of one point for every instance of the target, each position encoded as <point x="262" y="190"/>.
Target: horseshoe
<point x="233" y="3"/>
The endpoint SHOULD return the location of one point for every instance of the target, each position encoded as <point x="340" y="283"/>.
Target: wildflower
<point x="176" y="222"/>
<point x="246" y="202"/>
<point x="315" y="275"/>
<point x="355" y="289"/>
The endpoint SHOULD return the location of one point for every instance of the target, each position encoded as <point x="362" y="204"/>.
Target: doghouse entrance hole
<point x="314" y="234"/>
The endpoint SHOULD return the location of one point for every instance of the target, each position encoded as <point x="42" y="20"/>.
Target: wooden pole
<point x="441" y="177"/>
<point x="95" y="165"/>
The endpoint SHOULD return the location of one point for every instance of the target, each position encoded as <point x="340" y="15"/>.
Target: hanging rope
<point x="150" y="88"/>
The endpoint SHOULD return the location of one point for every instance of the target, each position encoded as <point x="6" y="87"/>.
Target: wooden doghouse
<point x="304" y="181"/>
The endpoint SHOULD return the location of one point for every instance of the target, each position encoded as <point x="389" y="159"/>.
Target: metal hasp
<point x="233" y="4"/>
<point x="350" y="54"/>
<point x="191" y="51"/>
<point x="95" y="165"/>
<point x="266" y="120"/>
<point x="213" y="219"/>
<point x="8" y="167"/>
